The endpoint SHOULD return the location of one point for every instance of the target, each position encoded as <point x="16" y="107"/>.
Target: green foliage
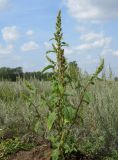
<point x="92" y="145"/>
<point x="50" y="120"/>
<point x="62" y="116"/>
<point x="73" y="71"/>
<point x="98" y="118"/>
<point x="114" y="155"/>
<point x="12" y="146"/>
<point x="10" y="74"/>
<point x="16" y="74"/>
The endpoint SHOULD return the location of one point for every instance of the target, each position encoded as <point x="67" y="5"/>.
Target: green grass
<point x="98" y="125"/>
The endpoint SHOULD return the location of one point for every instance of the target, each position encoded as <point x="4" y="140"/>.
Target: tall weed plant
<point x="61" y="116"/>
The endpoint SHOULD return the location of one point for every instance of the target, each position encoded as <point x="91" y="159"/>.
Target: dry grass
<point x="99" y="122"/>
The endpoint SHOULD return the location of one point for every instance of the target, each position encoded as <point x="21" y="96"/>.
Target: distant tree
<point x="13" y="74"/>
<point x="116" y="78"/>
<point x="73" y="70"/>
<point x="10" y="73"/>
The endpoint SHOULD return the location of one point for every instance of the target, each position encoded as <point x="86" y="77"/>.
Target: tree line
<point x="13" y="74"/>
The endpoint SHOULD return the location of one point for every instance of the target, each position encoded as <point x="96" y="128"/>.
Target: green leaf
<point x="29" y="86"/>
<point x="48" y="67"/>
<point x="101" y="66"/>
<point x="98" y="70"/>
<point x="50" y="60"/>
<point x="69" y="113"/>
<point x="87" y="97"/>
<point x="51" y="39"/>
<point x="37" y="126"/>
<point x="68" y="77"/>
<point x="25" y="96"/>
<point x="61" y="89"/>
<point x="51" y="119"/>
<point x="55" y="154"/>
<point x="64" y="44"/>
<point x="50" y="51"/>
<point x="100" y="79"/>
<point x="54" y="48"/>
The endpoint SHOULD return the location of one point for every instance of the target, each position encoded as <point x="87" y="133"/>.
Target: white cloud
<point x="81" y="29"/>
<point x="115" y="53"/>
<point x="106" y="51"/>
<point x="94" y="40"/>
<point x="29" y="46"/>
<point x="104" y="42"/>
<point x="91" y="60"/>
<point x="93" y="9"/>
<point x="30" y="32"/>
<point x="4" y="4"/>
<point x="6" y="50"/>
<point x="68" y="50"/>
<point x="47" y="45"/>
<point x="84" y="47"/>
<point x="28" y="66"/>
<point x="10" y="33"/>
<point x="91" y="36"/>
<point x="16" y="58"/>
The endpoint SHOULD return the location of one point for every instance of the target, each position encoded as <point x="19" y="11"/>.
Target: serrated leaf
<point x="51" y="119"/>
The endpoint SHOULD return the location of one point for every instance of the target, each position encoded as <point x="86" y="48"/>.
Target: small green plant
<point x="12" y="146"/>
<point x="61" y="116"/>
<point x="114" y="156"/>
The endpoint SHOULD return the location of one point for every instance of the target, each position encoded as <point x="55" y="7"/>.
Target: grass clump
<point x="12" y="146"/>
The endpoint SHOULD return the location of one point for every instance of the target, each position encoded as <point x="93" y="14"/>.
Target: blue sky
<point x="90" y="28"/>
